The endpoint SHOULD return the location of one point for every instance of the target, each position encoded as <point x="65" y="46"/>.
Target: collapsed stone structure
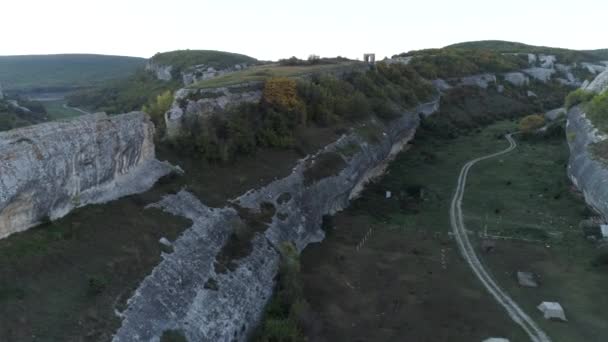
<point x="175" y="295"/>
<point x="47" y="170"/>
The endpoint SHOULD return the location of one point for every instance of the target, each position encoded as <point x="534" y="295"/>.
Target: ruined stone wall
<point x="189" y="293"/>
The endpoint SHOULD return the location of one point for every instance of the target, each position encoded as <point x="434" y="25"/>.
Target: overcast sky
<point x="272" y="29"/>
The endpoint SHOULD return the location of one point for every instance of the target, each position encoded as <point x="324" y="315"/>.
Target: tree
<point x="531" y="123"/>
<point x="158" y="108"/>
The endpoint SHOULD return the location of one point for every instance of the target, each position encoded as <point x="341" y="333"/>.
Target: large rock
<point x="174" y="296"/>
<point x="204" y="72"/>
<point x="599" y="84"/>
<point x="481" y="80"/>
<point x="541" y="74"/>
<point x="191" y="104"/>
<point x="47" y="170"/>
<point x="517" y="79"/>
<point x="162" y="72"/>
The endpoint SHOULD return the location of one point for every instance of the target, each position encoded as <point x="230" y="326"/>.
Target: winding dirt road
<point x="468" y="252"/>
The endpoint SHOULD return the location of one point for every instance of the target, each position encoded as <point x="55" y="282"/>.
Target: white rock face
<point x="49" y="169"/>
<point x="204" y="72"/>
<point x="594" y="68"/>
<point x="193" y="103"/>
<point x="162" y="72"/>
<point x="481" y="80"/>
<point x="517" y="79"/>
<point x="541" y="74"/>
<point x="599" y="84"/>
<point x="547" y="61"/>
<point x="441" y="85"/>
<point x="555" y="114"/>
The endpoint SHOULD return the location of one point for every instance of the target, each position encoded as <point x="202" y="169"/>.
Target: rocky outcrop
<point x="175" y="295"/>
<point x="540" y="74"/>
<point x="599" y="84"/>
<point x="192" y="74"/>
<point x="203" y="72"/>
<point x="517" y="79"/>
<point x="162" y="72"/>
<point x="49" y="169"/>
<point x="481" y="80"/>
<point x="588" y="174"/>
<point x="191" y="104"/>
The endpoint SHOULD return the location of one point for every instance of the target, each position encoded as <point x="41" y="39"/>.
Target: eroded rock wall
<point x="188" y="292"/>
<point x="46" y="170"/>
<point x="588" y="174"/>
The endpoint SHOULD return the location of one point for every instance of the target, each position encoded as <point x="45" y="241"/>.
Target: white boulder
<point x="552" y="310"/>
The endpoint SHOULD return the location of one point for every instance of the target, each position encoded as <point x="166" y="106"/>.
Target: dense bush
<point x="286" y="311"/>
<point x="158" y="108"/>
<point x="578" y="96"/>
<point x="457" y="62"/>
<point x="182" y="59"/>
<point x="531" y="123"/>
<point x="123" y="96"/>
<point x="287" y="104"/>
<point x="597" y="111"/>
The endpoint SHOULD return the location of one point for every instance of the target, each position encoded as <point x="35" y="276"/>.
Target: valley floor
<point x="408" y="281"/>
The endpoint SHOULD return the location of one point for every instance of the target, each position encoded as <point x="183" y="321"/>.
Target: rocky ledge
<point x="49" y="169"/>
<point x="211" y="287"/>
<point x="588" y="174"/>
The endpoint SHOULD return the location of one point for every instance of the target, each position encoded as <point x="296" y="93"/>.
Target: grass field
<point x="409" y="283"/>
<point x="57" y="110"/>
<point x="262" y="72"/>
<point x="59" y="72"/>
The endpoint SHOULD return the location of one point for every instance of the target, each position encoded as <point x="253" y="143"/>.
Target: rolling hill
<point x="63" y="72"/>
<point x="565" y="55"/>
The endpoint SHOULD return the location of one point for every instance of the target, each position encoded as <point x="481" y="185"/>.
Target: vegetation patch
<point x="183" y="59"/>
<point x="597" y="111"/>
<point x="323" y="166"/>
<point x="577" y="97"/>
<point x="289" y="106"/>
<point x="173" y="336"/>
<point x="529" y="124"/>
<point x="287" y="313"/>
<point x="244" y="230"/>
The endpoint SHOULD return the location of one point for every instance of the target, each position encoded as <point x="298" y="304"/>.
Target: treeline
<point x="287" y="104"/>
<point x="12" y="117"/>
<point x="452" y="62"/>
<point x="123" y="96"/>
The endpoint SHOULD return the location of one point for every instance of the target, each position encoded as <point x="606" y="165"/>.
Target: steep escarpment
<point x="586" y="171"/>
<point x="47" y="170"/>
<point x="587" y="167"/>
<point x="191" y="66"/>
<point x="214" y="286"/>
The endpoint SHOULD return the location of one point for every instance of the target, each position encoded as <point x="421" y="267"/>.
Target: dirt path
<point x="468" y="252"/>
<point x="76" y="109"/>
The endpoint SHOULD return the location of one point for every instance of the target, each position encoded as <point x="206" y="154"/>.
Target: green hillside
<point x="63" y="72"/>
<point x="564" y="55"/>
<point x="182" y="59"/>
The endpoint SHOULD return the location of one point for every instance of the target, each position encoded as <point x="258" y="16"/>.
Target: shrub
<point x="597" y="111"/>
<point x="158" y="108"/>
<point x="531" y="123"/>
<point x="578" y="96"/>
<point x="97" y="284"/>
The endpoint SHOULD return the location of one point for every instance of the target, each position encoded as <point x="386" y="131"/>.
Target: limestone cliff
<point x="47" y="170"/>
<point x="585" y="170"/>
<point x="193" y="291"/>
